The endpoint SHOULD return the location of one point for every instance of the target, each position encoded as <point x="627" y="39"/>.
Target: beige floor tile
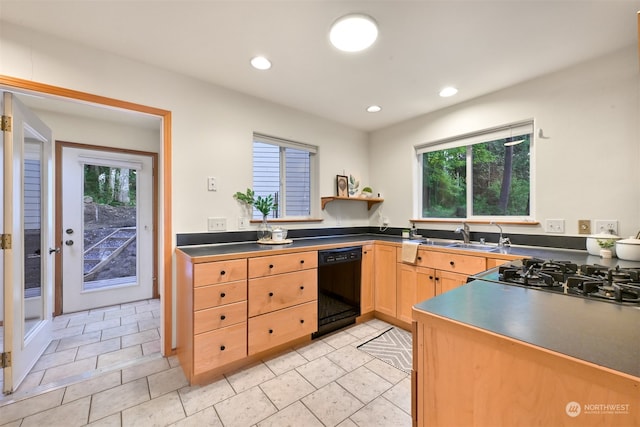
<point x="13" y="424"/>
<point x="134" y="318"/>
<point x="158" y="412"/>
<point x="32" y="380"/>
<point x="72" y="414"/>
<point x="67" y="332"/>
<point x="381" y="413"/>
<point x="88" y="318"/>
<point x="130" y="328"/>
<point x="106" y="309"/>
<point x="286" y="389"/>
<point x="92" y="386"/>
<point x="145" y="368"/>
<point x="119" y="356"/>
<point x="348" y="423"/>
<point x="349" y="358"/>
<point x="151" y="347"/>
<point x="145" y="324"/>
<point x="104" y="324"/>
<point x="205" y="418"/>
<point x="400" y="395"/>
<point x="196" y="398"/>
<point x="51" y="348"/>
<point x="166" y="381"/>
<point x="245" y="409"/>
<point x="69" y="370"/>
<point x="314" y="350"/>
<point x="285" y="362"/>
<point x="33" y="405"/>
<point x="97" y="348"/>
<point x="294" y="415"/>
<point x="140" y="337"/>
<point x="249" y="377"/>
<point x="173" y="361"/>
<point x="120" y="312"/>
<point x="362" y="330"/>
<point x="332" y="404"/>
<point x="145" y="308"/>
<point x="321" y="372"/>
<point x="78" y="340"/>
<point x="114" y="420"/>
<point x="364" y="384"/>
<point x="55" y="359"/>
<point x="118" y="399"/>
<point x="386" y="371"/>
<point x="339" y="339"/>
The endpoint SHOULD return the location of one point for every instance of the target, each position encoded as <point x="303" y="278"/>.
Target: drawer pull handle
<point x="270" y="265"/>
<point x="301" y="261"/>
<point x="222" y="295"/>
<point x="451" y="263"/>
<point x="270" y="331"/>
<point x="270" y="294"/>
<point x="430" y="277"/>
<point x="419" y="258"/>
<point x="223" y="317"/>
<point x="301" y="287"/>
<point x="437" y="278"/>
<point x="301" y="320"/>
<point x="222" y="273"/>
<point x="222" y="348"/>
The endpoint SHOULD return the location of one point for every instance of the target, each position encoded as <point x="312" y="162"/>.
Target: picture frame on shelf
<point x="342" y="186"/>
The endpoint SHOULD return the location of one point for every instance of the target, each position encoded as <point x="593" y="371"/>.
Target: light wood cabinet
<point x="211" y="315"/>
<point x="367" y="299"/>
<point x="446" y="280"/>
<point x="495" y="262"/>
<point x="283" y="294"/>
<point x="385" y="279"/>
<point x="414" y="284"/>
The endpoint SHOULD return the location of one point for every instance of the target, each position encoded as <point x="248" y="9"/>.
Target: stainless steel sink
<point x="474" y="246"/>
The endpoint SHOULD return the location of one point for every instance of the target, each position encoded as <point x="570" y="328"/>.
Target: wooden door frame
<point x="59" y="146"/>
<point x="166" y="295"/>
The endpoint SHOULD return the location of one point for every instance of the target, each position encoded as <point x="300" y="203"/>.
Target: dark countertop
<point x="599" y="332"/>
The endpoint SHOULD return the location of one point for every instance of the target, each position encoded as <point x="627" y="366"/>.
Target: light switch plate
<point x="584" y="226"/>
<point x="216" y="224"/>
<point x="554" y="226"/>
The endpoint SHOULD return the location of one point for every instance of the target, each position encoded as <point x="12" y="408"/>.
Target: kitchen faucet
<point x="464" y="230"/>
<point x="502" y="241"/>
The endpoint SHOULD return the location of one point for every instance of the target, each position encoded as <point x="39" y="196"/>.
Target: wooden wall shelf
<point x="370" y="200"/>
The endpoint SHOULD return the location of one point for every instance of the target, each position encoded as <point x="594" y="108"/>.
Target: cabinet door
<point x="366" y="281"/>
<point x="446" y="280"/>
<point x="385" y="279"/>
<point x="414" y="284"/>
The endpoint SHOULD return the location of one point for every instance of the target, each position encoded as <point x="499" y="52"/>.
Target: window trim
<point x="314" y="193"/>
<point x="468" y="140"/>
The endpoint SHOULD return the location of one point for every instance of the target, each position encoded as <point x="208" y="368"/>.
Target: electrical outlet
<point x="216" y="224"/>
<point x="242" y="223"/>
<point x="212" y="185"/>
<point x="584" y="226"/>
<point x="606" y="226"/>
<point x="385" y="221"/>
<point x="554" y="226"/>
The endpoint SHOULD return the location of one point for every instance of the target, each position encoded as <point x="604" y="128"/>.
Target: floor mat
<point x="393" y="346"/>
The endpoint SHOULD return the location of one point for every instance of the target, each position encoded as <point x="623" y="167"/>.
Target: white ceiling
<point x="479" y="46"/>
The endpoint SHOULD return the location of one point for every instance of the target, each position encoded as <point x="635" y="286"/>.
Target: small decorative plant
<point x="606" y="243"/>
<point x="367" y="192"/>
<point x="263" y="204"/>
<point x="354" y="184"/>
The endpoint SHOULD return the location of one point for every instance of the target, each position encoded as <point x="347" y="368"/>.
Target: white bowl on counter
<point x="628" y="249"/>
<point x="594" y="248"/>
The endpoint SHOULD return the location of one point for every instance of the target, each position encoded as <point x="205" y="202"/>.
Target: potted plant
<point x="264" y="205"/>
<point x="366" y="192"/>
<point x="606" y="245"/>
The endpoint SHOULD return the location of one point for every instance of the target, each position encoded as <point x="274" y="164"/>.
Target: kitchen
<point x="565" y="96"/>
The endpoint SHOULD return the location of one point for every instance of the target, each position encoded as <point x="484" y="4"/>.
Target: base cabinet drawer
<point x="216" y="348"/>
<point x="219" y="317"/>
<point x="211" y="273"/>
<point x="278" y="264"/>
<point x="272" y="329"/>
<point x="216" y="295"/>
<point x="272" y="293"/>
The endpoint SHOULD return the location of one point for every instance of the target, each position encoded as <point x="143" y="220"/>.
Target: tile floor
<point x="328" y="382"/>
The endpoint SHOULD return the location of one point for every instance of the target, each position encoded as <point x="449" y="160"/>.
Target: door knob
<point x="69" y="231"/>
<point x="68" y="242"/>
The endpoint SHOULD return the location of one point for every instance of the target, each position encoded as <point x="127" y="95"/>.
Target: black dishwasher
<point x="339" y="273"/>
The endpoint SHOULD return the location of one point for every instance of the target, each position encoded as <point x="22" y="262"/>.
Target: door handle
<point x="68" y="242"/>
<point x="52" y="250"/>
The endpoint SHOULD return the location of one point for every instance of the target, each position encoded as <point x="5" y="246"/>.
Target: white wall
<point x="587" y="169"/>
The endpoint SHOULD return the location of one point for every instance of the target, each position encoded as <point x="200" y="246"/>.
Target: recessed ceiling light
<point x="374" y="108"/>
<point x="353" y="33"/>
<point x="260" y="63"/>
<point x="448" y="91"/>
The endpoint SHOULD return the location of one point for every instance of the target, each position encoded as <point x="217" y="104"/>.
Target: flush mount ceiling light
<point x="260" y="63"/>
<point x="373" y="108"/>
<point x="353" y="33"/>
<point x="448" y="91"/>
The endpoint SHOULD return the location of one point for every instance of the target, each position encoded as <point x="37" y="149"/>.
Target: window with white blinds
<point x="284" y="169"/>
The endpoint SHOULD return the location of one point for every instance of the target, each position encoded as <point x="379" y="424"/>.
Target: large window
<point x="285" y="170"/>
<point x="485" y="174"/>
